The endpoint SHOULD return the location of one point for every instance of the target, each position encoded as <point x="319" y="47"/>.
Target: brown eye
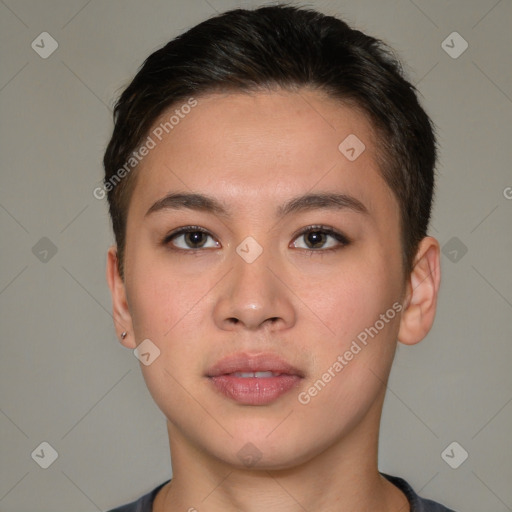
<point x="315" y="239"/>
<point x="195" y="239"/>
<point x="191" y="238"/>
<point x="320" y="239"/>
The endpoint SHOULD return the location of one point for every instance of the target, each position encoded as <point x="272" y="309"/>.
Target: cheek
<point x="353" y="363"/>
<point x="164" y="310"/>
<point x="168" y="308"/>
<point x="162" y="297"/>
<point x="352" y="299"/>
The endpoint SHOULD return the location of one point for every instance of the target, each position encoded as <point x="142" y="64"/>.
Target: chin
<point x="251" y="458"/>
<point x="256" y="449"/>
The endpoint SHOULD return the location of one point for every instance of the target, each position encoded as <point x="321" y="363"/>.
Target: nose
<point x="252" y="297"/>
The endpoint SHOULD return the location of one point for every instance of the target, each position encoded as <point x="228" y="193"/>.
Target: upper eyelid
<point x="185" y="229"/>
<point x="318" y="227"/>
<point x="301" y="231"/>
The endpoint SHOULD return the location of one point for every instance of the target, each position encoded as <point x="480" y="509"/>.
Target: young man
<point x="270" y="181"/>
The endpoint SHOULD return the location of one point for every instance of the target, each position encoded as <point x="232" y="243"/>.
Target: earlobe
<point x="422" y="291"/>
<point x="120" y="310"/>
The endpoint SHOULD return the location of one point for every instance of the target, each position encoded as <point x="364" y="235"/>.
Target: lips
<point x="254" y="379"/>
<point x="251" y="363"/>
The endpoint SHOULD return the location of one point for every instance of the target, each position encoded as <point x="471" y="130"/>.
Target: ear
<point x="120" y="310"/>
<point x="421" y="295"/>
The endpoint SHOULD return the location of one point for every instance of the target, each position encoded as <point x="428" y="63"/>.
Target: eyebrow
<point x="307" y="202"/>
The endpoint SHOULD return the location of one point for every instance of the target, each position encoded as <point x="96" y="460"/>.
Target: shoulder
<point x="417" y="503"/>
<point x="143" y="504"/>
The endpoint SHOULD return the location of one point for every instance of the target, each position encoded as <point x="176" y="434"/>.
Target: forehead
<point x="261" y="147"/>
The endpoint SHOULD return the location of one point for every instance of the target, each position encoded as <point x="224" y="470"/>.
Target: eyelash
<point x="326" y="230"/>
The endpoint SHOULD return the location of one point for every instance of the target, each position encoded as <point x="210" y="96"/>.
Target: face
<point x="276" y="312"/>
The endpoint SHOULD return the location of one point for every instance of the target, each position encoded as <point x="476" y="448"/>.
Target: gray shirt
<point x="417" y="504"/>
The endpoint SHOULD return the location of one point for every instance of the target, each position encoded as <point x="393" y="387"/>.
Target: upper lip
<point x="244" y="362"/>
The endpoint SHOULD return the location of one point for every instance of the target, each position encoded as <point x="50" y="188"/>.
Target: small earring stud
<point x="123" y="335"/>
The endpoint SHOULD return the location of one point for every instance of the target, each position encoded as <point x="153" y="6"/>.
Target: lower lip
<point x="254" y="390"/>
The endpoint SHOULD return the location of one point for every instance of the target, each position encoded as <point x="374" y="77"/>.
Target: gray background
<point x="66" y="380"/>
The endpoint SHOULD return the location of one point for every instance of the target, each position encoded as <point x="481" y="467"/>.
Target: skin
<point x="253" y="153"/>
